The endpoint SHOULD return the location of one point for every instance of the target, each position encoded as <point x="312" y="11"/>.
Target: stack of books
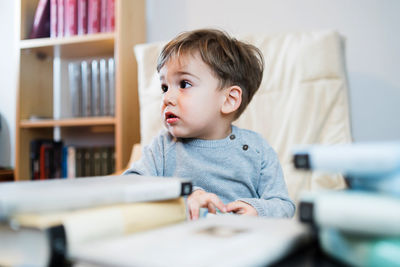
<point x="359" y="226"/>
<point x="43" y="223"/>
<point x="92" y="87"/>
<point x="59" y="18"/>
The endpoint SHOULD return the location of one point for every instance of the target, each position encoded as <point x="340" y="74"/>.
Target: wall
<point x="7" y="82"/>
<point x="369" y="26"/>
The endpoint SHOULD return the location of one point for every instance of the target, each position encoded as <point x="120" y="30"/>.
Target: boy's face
<point x="192" y="100"/>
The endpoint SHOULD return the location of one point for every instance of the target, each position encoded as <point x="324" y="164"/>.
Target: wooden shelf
<point x="79" y="39"/>
<point x="74" y="46"/>
<point x="74" y="122"/>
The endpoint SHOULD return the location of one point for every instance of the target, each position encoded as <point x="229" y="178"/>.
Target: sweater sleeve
<point x="274" y="199"/>
<point x="151" y="161"/>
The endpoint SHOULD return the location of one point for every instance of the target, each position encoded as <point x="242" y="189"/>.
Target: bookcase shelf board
<point x="74" y="122"/>
<point x="75" y="46"/>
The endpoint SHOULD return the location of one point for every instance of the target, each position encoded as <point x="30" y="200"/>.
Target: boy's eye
<point x="184" y="84"/>
<point x="164" y="88"/>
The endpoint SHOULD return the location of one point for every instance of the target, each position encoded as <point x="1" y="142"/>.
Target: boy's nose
<point x="170" y="97"/>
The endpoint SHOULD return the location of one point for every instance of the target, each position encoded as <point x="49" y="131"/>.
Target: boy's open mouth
<point x="171" y="117"/>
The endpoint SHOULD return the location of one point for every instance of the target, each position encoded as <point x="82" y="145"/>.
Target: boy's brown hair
<point x="232" y="61"/>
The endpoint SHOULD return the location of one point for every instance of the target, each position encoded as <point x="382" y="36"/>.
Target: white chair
<point x="303" y="99"/>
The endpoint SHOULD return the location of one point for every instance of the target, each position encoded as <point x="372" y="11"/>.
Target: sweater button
<point x="245" y="147"/>
<point x="232" y="136"/>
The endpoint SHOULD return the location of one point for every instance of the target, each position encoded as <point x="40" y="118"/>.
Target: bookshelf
<point x="42" y="82"/>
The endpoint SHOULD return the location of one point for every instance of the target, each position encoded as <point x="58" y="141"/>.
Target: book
<point x="46" y="154"/>
<point x="68" y="194"/>
<point x="103" y="15"/>
<point x="71" y="162"/>
<point x="352" y="211"/>
<point x="35" y="147"/>
<point x="360" y="250"/>
<point x="41" y="21"/>
<point x="226" y="240"/>
<point x="86" y="76"/>
<point x="96" y="98"/>
<point x="53" y="18"/>
<point x="111" y="84"/>
<point x="104" y="88"/>
<point x="71" y="17"/>
<point x="94" y="16"/>
<point x="82" y="17"/>
<point x="75" y="85"/>
<point x="362" y="160"/>
<point x="49" y="239"/>
<point x="60" y="18"/>
<point x="110" y="20"/>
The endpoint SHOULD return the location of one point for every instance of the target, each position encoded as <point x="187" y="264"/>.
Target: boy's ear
<point x="232" y="100"/>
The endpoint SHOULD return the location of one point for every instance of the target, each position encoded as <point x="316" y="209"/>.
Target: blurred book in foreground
<point x="360" y="250"/>
<point x="68" y="194"/>
<point x="366" y="166"/>
<point x="352" y="211"/>
<point x="226" y="240"/>
<point x="48" y="239"/>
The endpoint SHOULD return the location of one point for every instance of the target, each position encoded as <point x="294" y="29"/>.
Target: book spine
<point x="361" y="160"/>
<point x="53" y="18"/>
<point x="111" y="84"/>
<point x="40" y="27"/>
<point x="64" y="168"/>
<point x="57" y="245"/>
<point x="103" y="15"/>
<point x="74" y="81"/>
<point x="86" y="89"/>
<point x="35" y="159"/>
<point x="82" y="17"/>
<point x="57" y="159"/>
<point x="352" y="211"/>
<point x="104" y="92"/>
<point x="71" y="162"/>
<point x="96" y="101"/>
<point x="60" y="18"/>
<point x="93" y="16"/>
<point x="79" y="162"/>
<point x="71" y="14"/>
<point x="110" y="16"/>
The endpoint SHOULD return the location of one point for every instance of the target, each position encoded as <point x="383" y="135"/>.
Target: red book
<point x="103" y="15"/>
<point x="110" y="15"/>
<point x="45" y="161"/>
<point x="71" y="14"/>
<point x="53" y="18"/>
<point x="60" y="17"/>
<point x="82" y="17"/>
<point x="41" y="21"/>
<point x="93" y="16"/>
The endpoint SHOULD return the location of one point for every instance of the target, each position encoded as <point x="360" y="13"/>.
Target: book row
<point x="92" y="87"/>
<point x="51" y="159"/>
<point x="59" y="18"/>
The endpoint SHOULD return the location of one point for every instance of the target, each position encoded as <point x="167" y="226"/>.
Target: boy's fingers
<point x="217" y="202"/>
<point x="194" y="211"/>
<point x="233" y="206"/>
<point x="211" y="208"/>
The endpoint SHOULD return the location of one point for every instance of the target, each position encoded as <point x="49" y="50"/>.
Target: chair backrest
<point x="303" y="98"/>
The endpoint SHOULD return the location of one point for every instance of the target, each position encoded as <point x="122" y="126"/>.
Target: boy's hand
<point x="242" y="208"/>
<point x="201" y="199"/>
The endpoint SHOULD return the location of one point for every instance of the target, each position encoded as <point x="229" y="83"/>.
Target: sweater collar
<point x="213" y="143"/>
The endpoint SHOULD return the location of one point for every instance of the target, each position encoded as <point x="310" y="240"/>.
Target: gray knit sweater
<point x="240" y="167"/>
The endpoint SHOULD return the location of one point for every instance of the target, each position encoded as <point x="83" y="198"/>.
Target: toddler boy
<point x="207" y="80"/>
